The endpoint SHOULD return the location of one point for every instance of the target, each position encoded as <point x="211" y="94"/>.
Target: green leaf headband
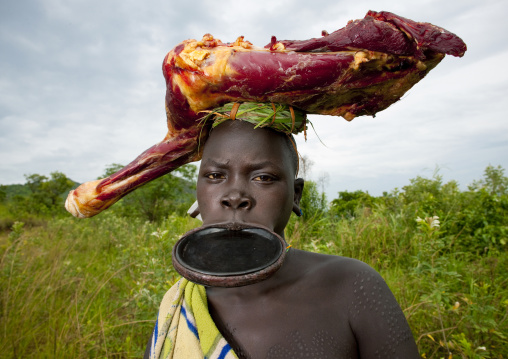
<point x="280" y="117"/>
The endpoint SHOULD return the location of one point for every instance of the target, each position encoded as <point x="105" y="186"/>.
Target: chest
<point x="276" y="327"/>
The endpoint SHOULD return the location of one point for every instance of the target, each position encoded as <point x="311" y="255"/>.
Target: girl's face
<point x="246" y="176"/>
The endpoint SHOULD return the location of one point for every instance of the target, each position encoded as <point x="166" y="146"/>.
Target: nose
<point x="236" y="200"/>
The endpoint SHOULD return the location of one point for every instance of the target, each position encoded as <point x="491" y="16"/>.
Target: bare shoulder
<point x="346" y="282"/>
<point x="335" y="269"/>
<point x="375" y="318"/>
<point x="352" y="283"/>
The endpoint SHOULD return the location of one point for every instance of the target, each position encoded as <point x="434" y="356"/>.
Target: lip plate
<point x="217" y="255"/>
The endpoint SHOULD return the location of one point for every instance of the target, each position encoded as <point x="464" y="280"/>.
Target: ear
<point x="299" y="182"/>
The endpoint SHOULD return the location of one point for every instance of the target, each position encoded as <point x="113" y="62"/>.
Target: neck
<point x="279" y="279"/>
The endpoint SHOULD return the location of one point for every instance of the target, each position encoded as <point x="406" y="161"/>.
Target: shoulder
<point x="337" y="269"/>
<point x="345" y="281"/>
<point x="353" y="283"/>
<point x="374" y="316"/>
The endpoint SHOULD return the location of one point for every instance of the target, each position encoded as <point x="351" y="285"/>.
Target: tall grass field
<point x="91" y="288"/>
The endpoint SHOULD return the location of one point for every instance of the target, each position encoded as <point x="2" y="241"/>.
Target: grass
<point x="84" y="289"/>
<point x="91" y="288"/>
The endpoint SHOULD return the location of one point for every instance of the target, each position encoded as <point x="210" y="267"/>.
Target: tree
<point x="494" y="181"/>
<point x="173" y="192"/>
<point x="3" y="194"/>
<point x="47" y="194"/>
<point x="111" y="169"/>
<point x="313" y="202"/>
<point x="304" y="166"/>
<point x="348" y="202"/>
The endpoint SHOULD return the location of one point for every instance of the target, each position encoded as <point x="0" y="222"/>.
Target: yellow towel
<point x="184" y="327"/>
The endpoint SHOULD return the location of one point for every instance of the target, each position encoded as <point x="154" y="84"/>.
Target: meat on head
<point x="358" y="70"/>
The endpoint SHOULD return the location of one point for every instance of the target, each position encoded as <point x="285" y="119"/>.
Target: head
<point x="247" y="176"/>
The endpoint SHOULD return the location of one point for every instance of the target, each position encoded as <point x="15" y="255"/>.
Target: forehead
<point x="240" y="140"/>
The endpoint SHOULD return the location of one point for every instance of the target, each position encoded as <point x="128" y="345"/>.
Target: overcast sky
<point x="81" y="87"/>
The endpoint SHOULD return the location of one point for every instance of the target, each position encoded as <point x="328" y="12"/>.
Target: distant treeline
<point x="477" y="216"/>
<point x="43" y="197"/>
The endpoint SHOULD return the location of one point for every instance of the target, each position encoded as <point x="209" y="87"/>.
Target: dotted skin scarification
<point x="371" y="295"/>
<point x="321" y="345"/>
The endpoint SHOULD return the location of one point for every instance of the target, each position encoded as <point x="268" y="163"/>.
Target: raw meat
<point x="358" y="70"/>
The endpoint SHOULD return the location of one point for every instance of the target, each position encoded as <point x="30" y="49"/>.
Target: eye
<point x="264" y="178"/>
<point x="215" y="176"/>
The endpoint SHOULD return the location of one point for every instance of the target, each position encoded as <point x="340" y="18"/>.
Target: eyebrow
<point x="257" y="165"/>
<point x="250" y="166"/>
<point x="210" y="162"/>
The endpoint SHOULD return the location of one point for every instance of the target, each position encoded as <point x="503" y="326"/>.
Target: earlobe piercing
<point x="297" y="210"/>
<point x="194" y="211"/>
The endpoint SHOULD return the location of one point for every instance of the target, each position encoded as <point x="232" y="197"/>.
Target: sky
<point x="81" y="87"/>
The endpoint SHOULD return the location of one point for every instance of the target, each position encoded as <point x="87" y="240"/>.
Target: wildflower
<point x="159" y="234"/>
<point x="467" y="300"/>
<point x="434" y="221"/>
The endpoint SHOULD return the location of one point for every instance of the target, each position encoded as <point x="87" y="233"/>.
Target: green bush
<point x="349" y="202"/>
<point x="313" y="204"/>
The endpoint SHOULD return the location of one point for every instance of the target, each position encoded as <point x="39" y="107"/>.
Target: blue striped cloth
<point x="184" y="328"/>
